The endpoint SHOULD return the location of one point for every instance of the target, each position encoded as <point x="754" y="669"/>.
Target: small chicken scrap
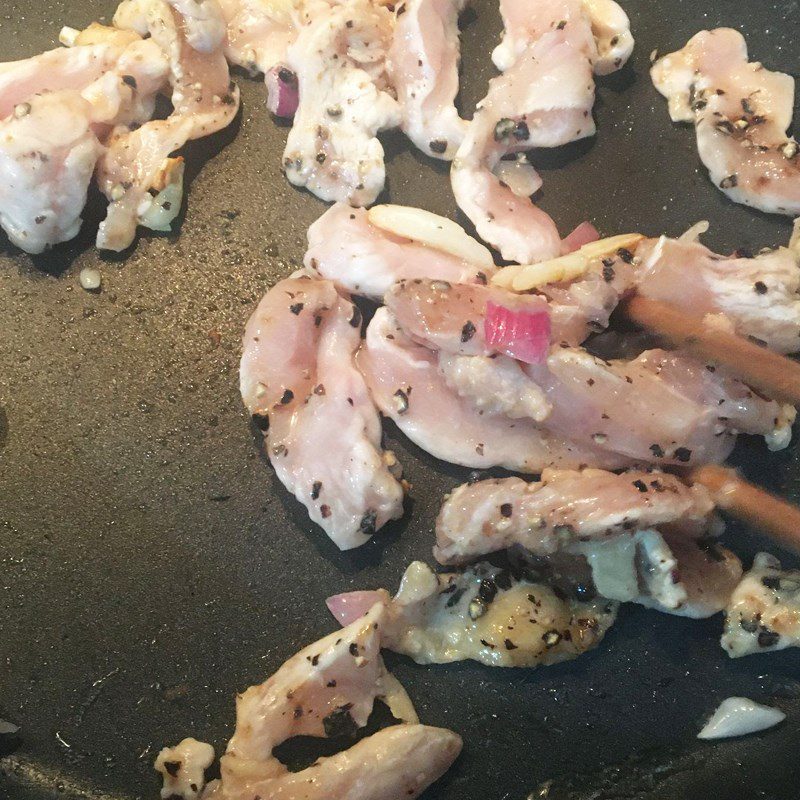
<point x="322" y="431"/>
<point x="327" y="689"/>
<point x="764" y="611"/>
<point x="741" y="113"/>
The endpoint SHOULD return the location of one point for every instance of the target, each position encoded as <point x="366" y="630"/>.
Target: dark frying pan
<point x="150" y="563"/>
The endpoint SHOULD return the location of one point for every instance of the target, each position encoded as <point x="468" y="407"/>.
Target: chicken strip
<point x="741" y="112"/>
<point x="484" y="614"/>
<point x="764" y="611"/>
<point x="755" y="297"/>
<point x="328" y="689"/>
<point x="423" y="68"/>
<point x="363" y="259"/>
<point x="544" y="100"/>
<point x="138" y="175"/>
<point x="660" y="407"/>
<point x="408" y="387"/>
<point x="564" y="508"/>
<point x="339" y="60"/>
<point x="323" y="434"/>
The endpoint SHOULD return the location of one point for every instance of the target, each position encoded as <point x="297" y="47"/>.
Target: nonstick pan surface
<point x="151" y="565"/>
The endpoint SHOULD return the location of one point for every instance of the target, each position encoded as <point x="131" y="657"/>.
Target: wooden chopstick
<point x="777" y="376"/>
<point x="776" y="517"/>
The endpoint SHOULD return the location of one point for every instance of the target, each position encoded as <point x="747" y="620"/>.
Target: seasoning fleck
<point x="401" y="401"/>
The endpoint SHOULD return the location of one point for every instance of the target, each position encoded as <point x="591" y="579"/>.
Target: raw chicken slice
<point x="544" y="100"/>
<point x="299" y="380"/>
<point x="764" y="611"/>
<point x="142" y="181"/>
<point x="483" y="614"/>
<point x="339" y="60"/>
<point x="328" y="689"/>
<point x="660" y="407"/>
<point x="360" y="258"/>
<point x="756" y="297"/>
<point x="58" y="109"/>
<point x="450" y="317"/>
<point x="48" y="153"/>
<point x="441" y="315"/>
<point x="609" y="46"/>
<point x="407" y="386"/>
<point x="524" y="23"/>
<point x="423" y="68"/>
<point x="51" y="142"/>
<point x="259" y="32"/>
<point x="741" y="113"/>
<point x="63" y="68"/>
<point x="565" y="507"/>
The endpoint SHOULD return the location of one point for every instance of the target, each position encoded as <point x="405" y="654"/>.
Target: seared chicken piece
<point x="363" y="259"/>
<point x="183" y="767"/>
<point x="741" y="112"/>
<point x="339" y="59"/>
<point x="764" y="611"/>
<point x="423" y="68"/>
<point x="323" y="434"/>
<point x="484" y="614"/>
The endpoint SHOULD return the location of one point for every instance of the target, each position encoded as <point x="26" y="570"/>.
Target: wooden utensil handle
<point x="771" y="373"/>
<point x="776" y="517"/>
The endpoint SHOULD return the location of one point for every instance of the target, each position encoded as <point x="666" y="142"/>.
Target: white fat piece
<point x="183" y="767"/>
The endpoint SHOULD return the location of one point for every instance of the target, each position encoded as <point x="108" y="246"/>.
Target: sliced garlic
<point x="738" y="716"/>
<point x="431" y="230"/>
<point x="522" y="277"/>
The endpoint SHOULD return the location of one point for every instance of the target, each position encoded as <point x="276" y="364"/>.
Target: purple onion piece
<point x="282" y="92"/>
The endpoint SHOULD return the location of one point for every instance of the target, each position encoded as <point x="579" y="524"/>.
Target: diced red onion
<point x="583" y="234"/>
<point x="524" y="335"/>
<point x="282" y="92"/>
<point x="350" y="606"/>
